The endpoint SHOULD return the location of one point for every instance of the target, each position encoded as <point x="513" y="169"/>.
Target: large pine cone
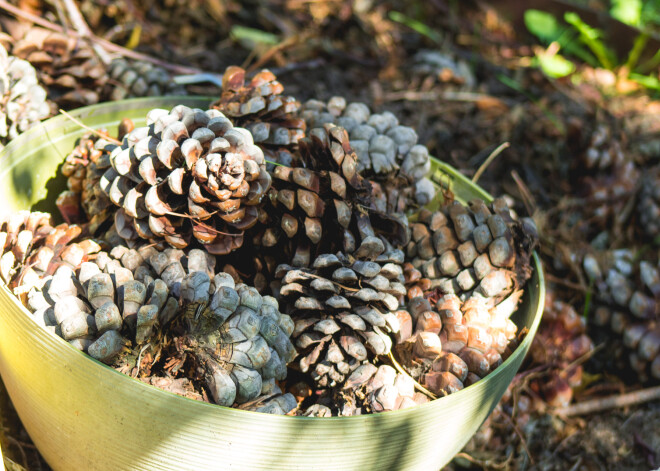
<point x="463" y="250"/>
<point x="387" y="152"/>
<point x="166" y="302"/>
<point x="627" y="306"/>
<point x="22" y="100"/>
<point x="69" y="68"/>
<point x="238" y="337"/>
<point x="344" y="309"/>
<point x="454" y="344"/>
<point x="188" y="175"/>
<point x="326" y="197"/>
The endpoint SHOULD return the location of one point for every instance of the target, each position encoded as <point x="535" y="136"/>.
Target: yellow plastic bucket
<point x="83" y="415"/>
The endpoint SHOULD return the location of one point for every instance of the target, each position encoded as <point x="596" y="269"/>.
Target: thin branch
<point x="520" y="435"/>
<point x="610" y="402"/>
<point x="81" y="26"/>
<point x="84" y="126"/>
<point x="489" y="160"/>
<point x="527" y="197"/>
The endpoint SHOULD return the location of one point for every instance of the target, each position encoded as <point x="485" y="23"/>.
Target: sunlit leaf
<point x="627" y="11"/>
<point x="648" y="81"/>
<point x="243" y="33"/>
<point x="592" y="38"/>
<point x="555" y="66"/>
<point x="543" y="25"/>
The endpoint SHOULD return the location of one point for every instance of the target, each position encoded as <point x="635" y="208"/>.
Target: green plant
<point x="576" y="39"/>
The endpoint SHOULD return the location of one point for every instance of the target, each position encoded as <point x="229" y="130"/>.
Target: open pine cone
<point x="168" y="303"/>
<point x="388" y="153"/>
<point x="19" y="232"/>
<point x="22" y="100"/>
<point x="648" y="207"/>
<point x="326" y="196"/>
<point x="628" y="310"/>
<point x="68" y="68"/>
<point x="129" y="79"/>
<point x="454" y="343"/>
<point x="368" y="389"/>
<point x="189" y="175"/>
<point x="85" y="201"/>
<point x="463" y="250"/>
<point x="343" y="308"/>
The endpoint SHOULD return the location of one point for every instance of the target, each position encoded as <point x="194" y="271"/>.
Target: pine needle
<point x="489" y="160"/>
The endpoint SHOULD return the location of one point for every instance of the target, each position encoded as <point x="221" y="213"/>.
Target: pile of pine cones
<point x="273" y="257"/>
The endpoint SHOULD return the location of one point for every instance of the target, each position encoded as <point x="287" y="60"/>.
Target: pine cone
<point x="343" y="309"/>
<point x="260" y="107"/>
<point x="432" y="67"/>
<point x="189" y="175"/>
<point x="131" y="79"/>
<point x="627" y="306"/>
<point x="19" y="232"/>
<point x="325" y="197"/>
<point x="560" y="341"/>
<point x="387" y="152"/>
<point x="609" y="193"/>
<point x="454" y="344"/>
<point x="648" y="207"/>
<point x="69" y="68"/>
<point x="84" y="201"/>
<point x="604" y="151"/>
<point x="470" y="249"/>
<point x="22" y="100"/>
<point x="237" y="337"/>
<point x="169" y="303"/>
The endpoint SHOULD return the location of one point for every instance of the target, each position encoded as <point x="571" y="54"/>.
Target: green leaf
<point x="636" y="51"/>
<point x="415" y="25"/>
<point x="591" y="37"/>
<point x="627" y="11"/>
<point x="555" y="66"/>
<point x="243" y="33"/>
<point x="543" y="25"/>
<point x="648" y="81"/>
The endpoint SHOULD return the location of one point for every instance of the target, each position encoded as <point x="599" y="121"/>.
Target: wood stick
<point x="610" y="402"/>
<point x="107" y="137"/>
<point x="81" y="26"/>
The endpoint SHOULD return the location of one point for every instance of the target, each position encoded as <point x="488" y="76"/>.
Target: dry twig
<point x="94" y="131"/>
<point x="610" y="402"/>
<point x="81" y="26"/>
